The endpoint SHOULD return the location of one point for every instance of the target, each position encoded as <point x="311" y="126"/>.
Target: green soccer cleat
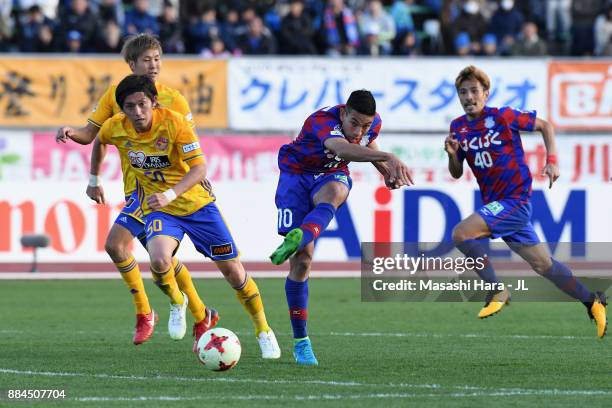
<point x="288" y="247"/>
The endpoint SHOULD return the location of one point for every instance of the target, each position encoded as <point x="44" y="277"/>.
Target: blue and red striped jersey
<point x="492" y="146"/>
<point x="307" y="153"/>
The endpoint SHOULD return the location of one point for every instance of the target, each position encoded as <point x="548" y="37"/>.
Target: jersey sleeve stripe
<point x="96" y="124"/>
<point x="193" y="157"/>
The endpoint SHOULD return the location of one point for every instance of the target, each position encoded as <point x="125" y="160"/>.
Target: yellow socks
<point x="183" y="279"/>
<point x="249" y="297"/>
<point x="131" y="276"/>
<point x="168" y="285"/>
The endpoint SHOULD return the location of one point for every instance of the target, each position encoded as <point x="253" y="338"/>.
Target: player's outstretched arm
<point x="195" y="174"/>
<point x="383" y="169"/>
<point x="94" y="188"/>
<point x="455" y="166"/>
<point x="551" y="169"/>
<point x="398" y="171"/>
<point x="354" y="152"/>
<point x="84" y="135"/>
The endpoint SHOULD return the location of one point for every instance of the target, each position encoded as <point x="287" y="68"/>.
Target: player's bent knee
<point x="231" y="268"/>
<point x="160" y="263"/>
<point x="116" y="250"/>
<point x="541" y="266"/>
<point x="459" y="235"/>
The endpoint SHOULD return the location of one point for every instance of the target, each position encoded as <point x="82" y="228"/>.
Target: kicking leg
<point x="329" y="197"/>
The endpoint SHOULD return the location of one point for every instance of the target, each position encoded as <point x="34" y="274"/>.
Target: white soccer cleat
<point x="177" y="322"/>
<point x="268" y="345"/>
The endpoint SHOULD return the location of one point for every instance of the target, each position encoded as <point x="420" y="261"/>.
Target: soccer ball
<point x="219" y="349"/>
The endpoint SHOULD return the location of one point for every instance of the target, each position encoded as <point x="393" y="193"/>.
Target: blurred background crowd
<point x="221" y="28"/>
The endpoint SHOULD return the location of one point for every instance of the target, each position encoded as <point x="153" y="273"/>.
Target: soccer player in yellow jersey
<point x="142" y="53"/>
<point x="164" y="153"/>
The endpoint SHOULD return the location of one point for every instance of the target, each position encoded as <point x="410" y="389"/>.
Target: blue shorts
<point x="130" y="218"/>
<point x="294" y="196"/>
<point x="206" y="228"/>
<point x="511" y="220"/>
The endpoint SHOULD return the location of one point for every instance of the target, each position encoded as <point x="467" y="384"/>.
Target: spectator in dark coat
<point x="138" y="20"/>
<point x="257" y="40"/>
<point x="297" y="31"/>
<point x="506" y="24"/>
<point x="82" y="19"/>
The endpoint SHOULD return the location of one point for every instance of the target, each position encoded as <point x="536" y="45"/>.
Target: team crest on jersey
<point x="140" y="160"/>
<point x="161" y="143"/>
<point x="489" y="122"/>
<point x="337" y="131"/>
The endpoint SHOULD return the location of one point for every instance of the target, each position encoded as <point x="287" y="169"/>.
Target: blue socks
<point x="315" y="222"/>
<point x="297" y="300"/>
<point x="473" y="249"/>
<point x="562" y="277"/>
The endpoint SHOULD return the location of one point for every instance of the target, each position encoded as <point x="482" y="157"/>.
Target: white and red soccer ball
<point x="218" y="349"/>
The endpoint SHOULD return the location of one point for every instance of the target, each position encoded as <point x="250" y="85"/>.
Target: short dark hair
<point x="363" y="102"/>
<point x="132" y="84"/>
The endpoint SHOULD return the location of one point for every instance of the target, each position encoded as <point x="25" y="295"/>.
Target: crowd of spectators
<point x="220" y="28"/>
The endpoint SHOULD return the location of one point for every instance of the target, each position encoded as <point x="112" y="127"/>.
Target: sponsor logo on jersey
<point x="140" y="160"/>
<point x="191" y="147"/>
<point x="494" y="207"/>
<point x="342" y="178"/>
<point x="223" y="249"/>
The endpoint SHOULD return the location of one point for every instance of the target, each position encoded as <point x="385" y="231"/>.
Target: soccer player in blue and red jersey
<point x="488" y="139"/>
<point x="314" y="181"/>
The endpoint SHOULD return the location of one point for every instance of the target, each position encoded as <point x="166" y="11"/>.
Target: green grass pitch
<point x="76" y="336"/>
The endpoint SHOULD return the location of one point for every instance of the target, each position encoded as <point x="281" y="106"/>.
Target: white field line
<point x="328" y="397"/>
<point x="462" y="335"/>
<point x="462" y="390"/>
<point x="376" y="334"/>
